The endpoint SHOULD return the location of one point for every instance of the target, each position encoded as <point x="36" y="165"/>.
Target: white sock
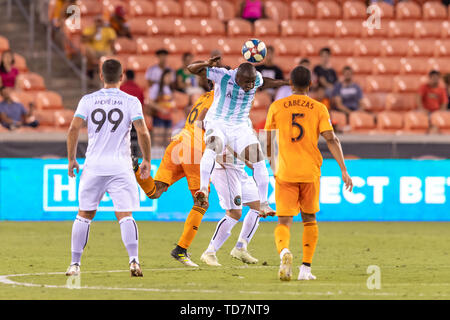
<point x="80" y="236"/>
<point x="206" y="167"/>
<point x="129" y="231"/>
<point x="251" y="223"/>
<point x="223" y="231"/>
<point x="261" y="176"/>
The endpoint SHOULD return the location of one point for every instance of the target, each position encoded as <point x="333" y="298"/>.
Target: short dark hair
<point x="325" y="49"/>
<point x="301" y="77"/>
<point x="345" y="68"/>
<point x="162" y="51"/>
<point x="187" y="54"/>
<point x="246" y="68"/>
<point x="112" y="70"/>
<point x="270" y="47"/>
<point x="434" y="72"/>
<point x="129" y="74"/>
<point x="304" y="60"/>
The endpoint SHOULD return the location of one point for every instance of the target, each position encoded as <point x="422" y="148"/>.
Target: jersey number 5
<point x="298" y="125"/>
<point x="100" y="122"/>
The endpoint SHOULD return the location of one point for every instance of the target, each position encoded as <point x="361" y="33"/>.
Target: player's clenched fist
<point x="73" y="164"/>
<point x="212" y="61"/>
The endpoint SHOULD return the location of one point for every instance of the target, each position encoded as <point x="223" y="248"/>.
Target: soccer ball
<point x="254" y="50"/>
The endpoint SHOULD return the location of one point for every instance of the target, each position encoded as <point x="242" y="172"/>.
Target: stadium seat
<point x="359" y="65"/>
<point x="394" y="47"/>
<point x="178" y="45"/>
<point x="381" y="33"/>
<point x="373" y="101"/>
<point x="421" y="47"/>
<point x="441" y="64"/>
<point x="266" y="28"/>
<point x="239" y="27"/>
<point x="338" y="118"/>
<point x="258" y="117"/>
<point x="276" y="10"/>
<point x="294" y="28"/>
<point x="401" y="101"/>
<point x="262" y="100"/>
<point x="328" y="10"/>
<point x="389" y="122"/>
<point x="149" y="45"/>
<point x="408" y="10"/>
<point x="168" y="8"/>
<point x="89" y="8"/>
<point x="442" y="48"/>
<point x="138" y="26"/>
<point x="367" y="47"/>
<point x="142" y="8"/>
<point x="4" y="44"/>
<point x="121" y="58"/>
<point x="416" y="122"/>
<point x="379" y="83"/>
<point x="287" y="63"/>
<point x="231" y="46"/>
<point x="311" y="47"/>
<point x="159" y="27"/>
<point x="110" y="5"/>
<point x="204" y="46"/>
<point x="195" y="9"/>
<point x="361" y="122"/>
<point x="140" y="63"/>
<point x="434" y="10"/>
<point x="222" y="10"/>
<point x="212" y="27"/>
<point x="48" y="100"/>
<point x="445" y="27"/>
<point x="30" y="82"/>
<point x="428" y="29"/>
<point x="441" y="120"/>
<point x="287" y="47"/>
<point x="416" y="65"/>
<point x="181" y="99"/>
<point x="341" y="47"/>
<point x="406" y="83"/>
<point x="386" y="65"/>
<point x="63" y="118"/>
<point x="187" y="27"/>
<point x="401" y="29"/>
<point x="24" y="97"/>
<point x="302" y="10"/>
<point x="354" y="10"/>
<point x="46" y="119"/>
<point x="321" y="28"/>
<point x="349" y="28"/>
<point x="125" y="45"/>
<point x="233" y="60"/>
<point x="20" y="63"/>
<point x="386" y="10"/>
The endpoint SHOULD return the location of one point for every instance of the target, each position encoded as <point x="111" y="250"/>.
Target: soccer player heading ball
<point x="227" y="122"/>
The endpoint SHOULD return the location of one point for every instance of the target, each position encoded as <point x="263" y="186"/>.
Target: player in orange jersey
<point x="182" y="159"/>
<point x="299" y="120"/>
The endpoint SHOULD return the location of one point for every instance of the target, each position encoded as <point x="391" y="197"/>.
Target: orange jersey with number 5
<point x="299" y="121"/>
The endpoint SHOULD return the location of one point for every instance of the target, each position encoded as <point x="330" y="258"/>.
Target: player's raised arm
<point x="334" y="145"/>
<point x="199" y="67"/>
<point x="273" y="83"/>
<point x="145" y="145"/>
<point x="72" y="142"/>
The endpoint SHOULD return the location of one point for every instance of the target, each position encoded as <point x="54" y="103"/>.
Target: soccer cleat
<point x="73" y="270"/>
<point x="265" y="210"/>
<point x="305" y="273"/>
<point x="210" y="259"/>
<point x="202" y="196"/>
<point x="285" y="271"/>
<point x="135" y="269"/>
<point x="243" y="255"/>
<point x="183" y="257"/>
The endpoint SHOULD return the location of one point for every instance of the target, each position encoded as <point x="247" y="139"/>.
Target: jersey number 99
<point x="100" y="122"/>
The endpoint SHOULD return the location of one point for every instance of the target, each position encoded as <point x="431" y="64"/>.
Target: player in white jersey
<point x="235" y="189"/>
<point x="227" y="123"/>
<point x="109" y="114"/>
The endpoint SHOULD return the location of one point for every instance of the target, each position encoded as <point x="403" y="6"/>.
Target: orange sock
<point x="310" y="236"/>
<point x="282" y="237"/>
<point x="191" y="226"/>
<point x="148" y="185"/>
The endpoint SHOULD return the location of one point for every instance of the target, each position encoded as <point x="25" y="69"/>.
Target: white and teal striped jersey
<point x="231" y="103"/>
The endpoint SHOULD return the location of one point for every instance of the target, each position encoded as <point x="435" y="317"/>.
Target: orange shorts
<point x="180" y="160"/>
<point x="294" y="197"/>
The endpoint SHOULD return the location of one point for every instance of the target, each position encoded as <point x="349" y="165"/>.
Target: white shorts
<point x="122" y="188"/>
<point x="238" y="137"/>
<point x="234" y="187"/>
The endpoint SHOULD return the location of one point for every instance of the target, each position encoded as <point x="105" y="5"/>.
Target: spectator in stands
<point x="252" y="10"/>
<point x="269" y="69"/>
<point x="391" y="2"/>
<point x="118" y="22"/>
<point x="13" y="114"/>
<point x="447" y="85"/>
<point x="99" y="41"/>
<point x="8" y="73"/>
<point x="131" y="87"/>
<point x="286" y="91"/>
<point x="431" y="96"/>
<point x="325" y="74"/>
<point x="186" y="81"/>
<point x="153" y="73"/>
<point x="446" y="2"/>
<point x="347" y="94"/>
<point x="161" y="105"/>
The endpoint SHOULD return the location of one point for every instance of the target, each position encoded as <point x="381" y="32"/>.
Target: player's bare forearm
<point x="273" y="83"/>
<point x="334" y="145"/>
<point x="143" y="139"/>
<point x="72" y="137"/>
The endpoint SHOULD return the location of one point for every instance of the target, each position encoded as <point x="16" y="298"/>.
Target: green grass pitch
<point x="413" y="258"/>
